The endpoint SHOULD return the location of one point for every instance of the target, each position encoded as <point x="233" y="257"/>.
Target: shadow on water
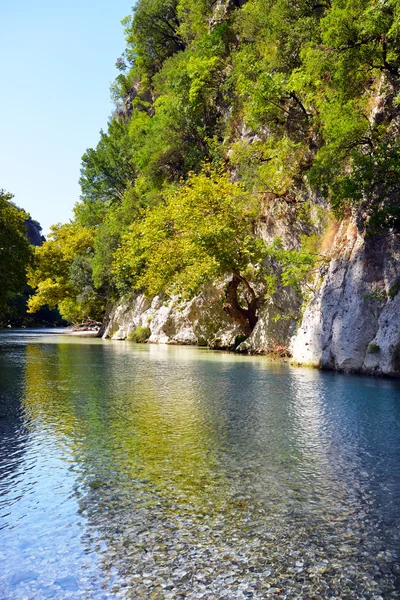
<point x="13" y="433"/>
<point x="154" y="472"/>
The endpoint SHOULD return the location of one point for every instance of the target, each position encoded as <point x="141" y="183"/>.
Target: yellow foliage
<point x="50" y="272"/>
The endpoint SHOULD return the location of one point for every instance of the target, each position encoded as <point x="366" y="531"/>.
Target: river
<point x="156" y="472"/>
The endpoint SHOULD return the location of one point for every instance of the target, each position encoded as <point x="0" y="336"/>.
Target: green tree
<point x="106" y="173"/>
<point x="203" y="231"/>
<point x="61" y="274"/>
<point x="153" y="34"/>
<point x="346" y="72"/>
<point x="372" y="185"/>
<point x="15" y="250"/>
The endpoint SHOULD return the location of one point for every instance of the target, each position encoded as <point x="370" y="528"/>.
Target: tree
<point x="345" y="74"/>
<point x="61" y="274"/>
<point x="203" y="231"/>
<point x="153" y="34"/>
<point x="372" y="185"/>
<point x="15" y="250"/>
<point x="106" y="173"/>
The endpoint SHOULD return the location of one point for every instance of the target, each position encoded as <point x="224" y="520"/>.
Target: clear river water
<point x="156" y="472"/>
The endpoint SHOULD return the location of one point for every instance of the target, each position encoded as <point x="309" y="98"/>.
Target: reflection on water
<point x="166" y="472"/>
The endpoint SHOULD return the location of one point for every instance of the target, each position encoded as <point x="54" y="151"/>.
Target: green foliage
<point x="202" y="231"/>
<point x="356" y="57"/>
<point x="193" y="18"/>
<point x="107" y="237"/>
<point x="15" y="250"/>
<point x="272" y="35"/>
<point x="373" y="184"/>
<point x="296" y="268"/>
<point x="62" y="275"/>
<point x="140" y="335"/>
<point x="269" y="166"/>
<point x="377" y="295"/>
<point x="394" y="290"/>
<point x="373" y="349"/>
<point x="106" y="174"/>
<point x="217" y="109"/>
<point x="16" y="315"/>
<point x="153" y="33"/>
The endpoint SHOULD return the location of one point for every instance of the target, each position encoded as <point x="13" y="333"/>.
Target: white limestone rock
<point x="353" y="322"/>
<point x="199" y="321"/>
<point x="275" y="326"/>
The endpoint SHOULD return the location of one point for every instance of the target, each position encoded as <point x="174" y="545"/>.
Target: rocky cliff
<point x="353" y="322"/>
<point x="203" y="321"/>
<point x="34" y="232"/>
<point x="350" y="321"/>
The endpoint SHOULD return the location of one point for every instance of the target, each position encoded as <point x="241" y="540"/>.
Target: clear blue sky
<point x="57" y="63"/>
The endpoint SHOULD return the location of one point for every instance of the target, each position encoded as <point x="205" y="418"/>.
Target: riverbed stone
<point x="67" y="583"/>
<point x="23" y="577"/>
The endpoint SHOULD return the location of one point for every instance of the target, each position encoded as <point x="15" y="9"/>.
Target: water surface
<point x="166" y="472"/>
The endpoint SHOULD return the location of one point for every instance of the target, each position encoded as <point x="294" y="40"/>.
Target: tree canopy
<point x="218" y="106"/>
<point x="15" y="249"/>
<point x="62" y="274"/>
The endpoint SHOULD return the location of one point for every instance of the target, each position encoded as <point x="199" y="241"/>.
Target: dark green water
<point x="164" y="472"/>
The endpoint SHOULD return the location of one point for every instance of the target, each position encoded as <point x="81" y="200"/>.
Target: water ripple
<point x="154" y="472"/>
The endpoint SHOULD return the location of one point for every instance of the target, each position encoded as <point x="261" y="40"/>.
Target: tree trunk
<point x="245" y="317"/>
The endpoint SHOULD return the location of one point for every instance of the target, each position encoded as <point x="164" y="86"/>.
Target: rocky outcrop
<point x="34" y="232"/>
<point x="276" y="325"/>
<point x="200" y="321"/>
<point x="353" y="322"/>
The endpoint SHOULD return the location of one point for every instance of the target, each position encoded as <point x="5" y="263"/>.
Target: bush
<point x="373" y="349"/>
<point x="238" y="340"/>
<point x="140" y="335"/>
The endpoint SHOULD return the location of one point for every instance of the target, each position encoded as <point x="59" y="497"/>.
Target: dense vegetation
<point x="222" y="107"/>
<point x="15" y="250"/>
<point x="19" y="233"/>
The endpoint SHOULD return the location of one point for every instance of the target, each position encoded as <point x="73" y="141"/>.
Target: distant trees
<point x="62" y="274"/>
<point x="15" y="249"/>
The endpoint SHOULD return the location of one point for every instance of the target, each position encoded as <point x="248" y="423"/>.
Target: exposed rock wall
<point x="353" y="322"/>
<point x="201" y="321"/>
<point x="34" y="232"/>
<point x="276" y="325"/>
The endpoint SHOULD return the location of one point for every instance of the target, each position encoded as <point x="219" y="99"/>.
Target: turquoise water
<point x="170" y="472"/>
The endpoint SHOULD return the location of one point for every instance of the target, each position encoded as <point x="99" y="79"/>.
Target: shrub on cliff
<point x="140" y="335"/>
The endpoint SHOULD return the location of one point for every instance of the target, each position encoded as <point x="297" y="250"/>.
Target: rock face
<point x="201" y="321"/>
<point x="353" y="322"/>
<point x="275" y="326"/>
<point x="34" y="232"/>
